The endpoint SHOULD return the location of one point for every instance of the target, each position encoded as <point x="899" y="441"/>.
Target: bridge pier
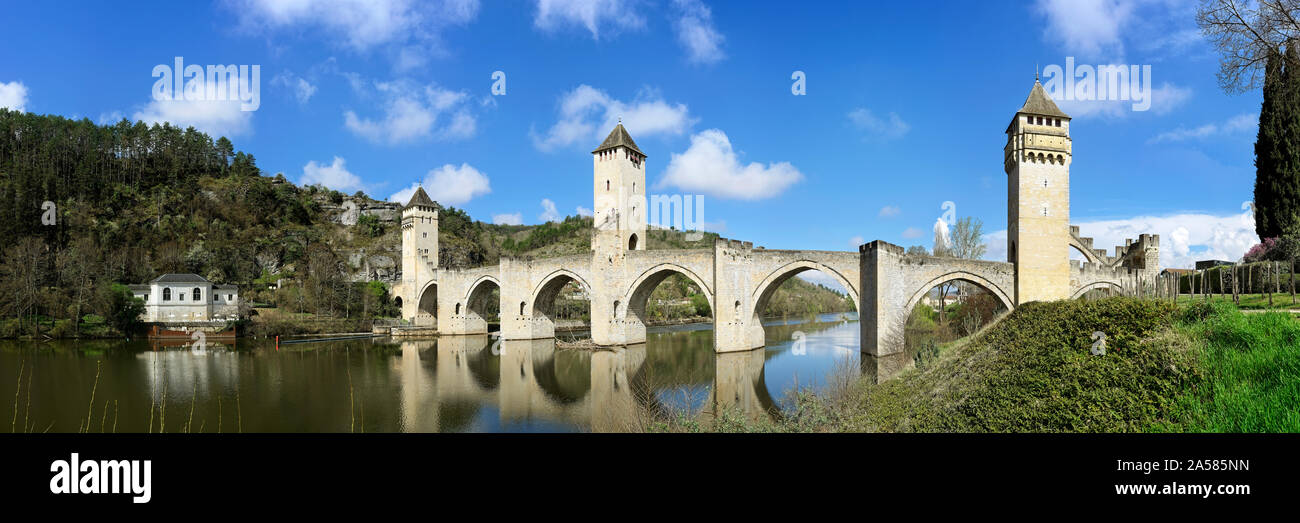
<point x="882" y="315"/>
<point x="736" y="326"/>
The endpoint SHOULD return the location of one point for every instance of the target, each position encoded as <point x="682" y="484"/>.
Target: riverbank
<point x="1197" y="368"/>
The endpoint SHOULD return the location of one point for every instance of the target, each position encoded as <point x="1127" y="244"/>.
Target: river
<point x="445" y="384"/>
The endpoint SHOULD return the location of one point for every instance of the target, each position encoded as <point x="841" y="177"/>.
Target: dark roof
<point x="420" y="198"/>
<point x="1040" y="104"/>
<point x="618" y="137"/>
<point x="179" y="278"/>
<point x="140" y="287"/>
<point x="226" y="287"/>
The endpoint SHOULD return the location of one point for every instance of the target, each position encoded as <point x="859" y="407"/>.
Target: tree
<point x="965" y="240"/>
<point x="75" y="264"/>
<point x="1246" y="34"/>
<point x="124" y="309"/>
<point x="917" y="250"/>
<point x="23" y="270"/>
<point x="1268" y="144"/>
<point x="1258" y="42"/>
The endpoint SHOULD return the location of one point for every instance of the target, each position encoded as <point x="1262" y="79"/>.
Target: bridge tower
<point x="618" y="184"/>
<point x="1037" y="162"/>
<point x="419" y="258"/>
<point x="619" y="190"/>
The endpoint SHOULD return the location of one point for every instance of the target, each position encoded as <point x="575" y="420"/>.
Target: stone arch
<point x="639" y="291"/>
<point x="477" y="310"/>
<point x="996" y="291"/>
<point x="426" y="305"/>
<point x="548" y="289"/>
<point x="1087" y="253"/>
<point x="631" y="310"/>
<point x="763" y="292"/>
<point x="1104" y="284"/>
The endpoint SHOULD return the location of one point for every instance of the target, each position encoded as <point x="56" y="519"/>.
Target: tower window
<point x="1044" y="210"/>
<point x="1044" y="182"/>
<point x="606" y="185"/>
<point x="1058" y="122"/>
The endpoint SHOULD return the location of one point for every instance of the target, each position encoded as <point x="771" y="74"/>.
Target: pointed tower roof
<point x="420" y="198"/>
<point x="616" y="138"/>
<point x="1041" y="104"/>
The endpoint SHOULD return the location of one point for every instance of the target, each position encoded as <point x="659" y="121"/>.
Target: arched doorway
<point x="631" y="242"/>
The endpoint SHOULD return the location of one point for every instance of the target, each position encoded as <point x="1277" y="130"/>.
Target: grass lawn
<point x="1248" y="301"/>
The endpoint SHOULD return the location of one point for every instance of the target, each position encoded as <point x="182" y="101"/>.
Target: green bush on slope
<point x="1034" y="372"/>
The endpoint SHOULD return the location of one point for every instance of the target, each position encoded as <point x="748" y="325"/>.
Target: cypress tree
<point x="1277" y="149"/>
<point x="1267" y="147"/>
<point x="1286" y="186"/>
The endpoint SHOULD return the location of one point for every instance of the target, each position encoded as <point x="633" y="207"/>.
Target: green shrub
<point x="1034" y="372"/>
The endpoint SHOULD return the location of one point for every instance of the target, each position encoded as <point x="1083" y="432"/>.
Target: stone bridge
<point x="737" y="279"/>
<point x="618" y="273"/>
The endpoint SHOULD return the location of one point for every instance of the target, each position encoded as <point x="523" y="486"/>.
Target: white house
<point x="175" y="298"/>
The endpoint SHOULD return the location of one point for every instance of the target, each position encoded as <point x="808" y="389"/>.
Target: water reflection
<point x="449" y="384"/>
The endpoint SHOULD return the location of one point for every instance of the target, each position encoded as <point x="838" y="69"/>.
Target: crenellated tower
<point x="419" y="256"/>
<point x="619" y="190"/>
<point x="1037" y="162"/>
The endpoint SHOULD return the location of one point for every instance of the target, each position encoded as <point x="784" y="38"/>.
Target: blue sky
<point x="905" y="105"/>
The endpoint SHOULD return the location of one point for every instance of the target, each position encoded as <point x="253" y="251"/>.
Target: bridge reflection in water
<point x="448" y="384"/>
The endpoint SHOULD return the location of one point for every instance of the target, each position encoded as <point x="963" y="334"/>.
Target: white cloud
<point x="1240" y="124"/>
<point x="588" y="114"/>
<point x="302" y="89"/>
<point x="449" y="185"/>
<point x="996" y="243"/>
<point x="889" y="211"/>
<point x="1184" y="237"/>
<point x="597" y="16"/>
<point x="583" y="211"/>
<point x="549" y="214"/>
<point x="216" y="117"/>
<point x="508" y="219"/>
<point x="13" y="96"/>
<point x="892" y="126"/>
<point x="856" y="241"/>
<point x="696" y="33"/>
<point x="912" y="232"/>
<point x="361" y="24"/>
<point x="412" y="113"/>
<point x="110" y="118"/>
<point x="710" y="166"/>
<point x="335" y="175"/>
<point x="1087" y="28"/>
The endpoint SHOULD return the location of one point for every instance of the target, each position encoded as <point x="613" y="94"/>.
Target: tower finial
<point x="1035" y="71"/>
